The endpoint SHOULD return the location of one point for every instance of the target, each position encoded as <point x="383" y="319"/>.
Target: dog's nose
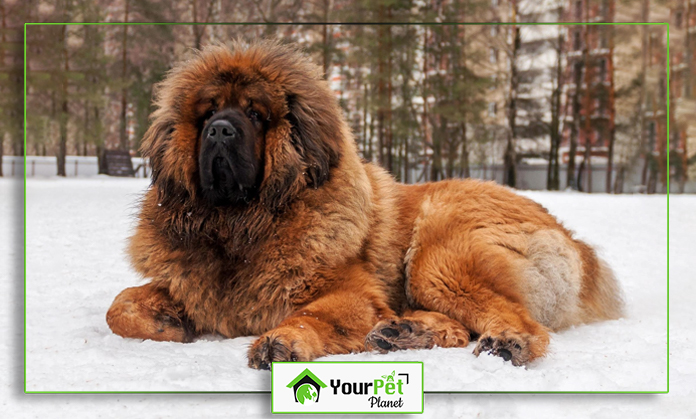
<point x="221" y="130"/>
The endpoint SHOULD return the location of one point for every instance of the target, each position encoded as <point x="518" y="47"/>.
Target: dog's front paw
<point x="398" y="334"/>
<point x="279" y="345"/>
<point x="515" y="347"/>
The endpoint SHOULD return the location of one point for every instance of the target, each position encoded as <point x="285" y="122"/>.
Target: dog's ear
<point x="315" y="135"/>
<point x="301" y="153"/>
<point x="171" y="175"/>
<point x="154" y="146"/>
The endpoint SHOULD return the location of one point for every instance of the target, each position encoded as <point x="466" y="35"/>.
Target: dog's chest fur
<point x="246" y="278"/>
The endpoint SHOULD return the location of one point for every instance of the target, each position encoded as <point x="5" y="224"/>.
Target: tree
<point x="11" y="70"/>
<point x="206" y="15"/>
<point x="645" y="11"/>
<point x="612" y="117"/>
<point x="553" y="182"/>
<point x="456" y="89"/>
<point x="587" y="160"/>
<point x="64" y="112"/>
<point x="406" y="129"/>
<point x="49" y="75"/>
<point x="510" y="156"/>
<point x="378" y="47"/>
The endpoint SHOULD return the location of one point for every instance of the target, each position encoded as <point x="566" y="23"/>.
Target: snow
<point x="76" y="233"/>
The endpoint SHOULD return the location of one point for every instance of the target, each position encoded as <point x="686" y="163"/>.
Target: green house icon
<point x="306" y="387"/>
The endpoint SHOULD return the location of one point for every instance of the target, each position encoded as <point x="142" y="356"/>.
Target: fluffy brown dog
<point x="262" y="220"/>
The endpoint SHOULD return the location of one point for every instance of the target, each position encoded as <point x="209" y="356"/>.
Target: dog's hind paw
<point x="510" y="346"/>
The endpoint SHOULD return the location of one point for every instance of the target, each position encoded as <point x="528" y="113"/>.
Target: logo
<point x="306" y="387"/>
<point x="347" y="387"/>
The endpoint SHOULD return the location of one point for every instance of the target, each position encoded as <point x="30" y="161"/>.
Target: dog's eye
<point x="254" y="116"/>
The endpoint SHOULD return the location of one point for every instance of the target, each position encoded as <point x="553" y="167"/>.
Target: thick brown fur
<point x="331" y="255"/>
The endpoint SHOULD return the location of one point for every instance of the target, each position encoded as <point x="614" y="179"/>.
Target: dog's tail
<point x="600" y="295"/>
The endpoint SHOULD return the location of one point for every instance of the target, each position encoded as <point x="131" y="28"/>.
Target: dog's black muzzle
<point x="228" y="169"/>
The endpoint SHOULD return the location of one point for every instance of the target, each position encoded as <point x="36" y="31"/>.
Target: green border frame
<point x="26" y="24"/>
<point x="354" y="362"/>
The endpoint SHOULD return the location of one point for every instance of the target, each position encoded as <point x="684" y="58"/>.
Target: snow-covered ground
<point x="76" y="232"/>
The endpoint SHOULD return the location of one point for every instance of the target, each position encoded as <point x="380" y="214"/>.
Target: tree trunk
<point x="367" y="155"/>
<point x="581" y="172"/>
<point x="85" y="132"/>
<point x="198" y="30"/>
<point x="688" y="81"/>
<point x="327" y="40"/>
<point x="451" y="156"/>
<point x="194" y="27"/>
<point x="574" y="129"/>
<point x="588" y="103"/>
<point x="426" y="131"/>
<point x="510" y="158"/>
<point x="587" y="163"/>
<point x="643" y="95"/>
<point x="2" y="144"/>
<point x="63" y="117"/>
<point x="101" y="164"/>
<point x="407" y="168"/>
<point x="510" y="164"/>
<point x="612" y="114"/>
<point x="99" y="141"/>
<point x="380" y="133"/>
<point x="384" y="91"/>
<point x="18" y="146"/>
<point x="63" y="141"/>
<point x="436" y="168"/>
<point x="389" y="134"/>
<point x="400" y="158"/>
<point x="464" y="170"/>
<point x="407" y="96"/>
<point x="370" y="139"/>
<point x="552" y="168"/>
<point x="123" y="137"/>
<point x="610" y="154"/>
<point x="2" y="63"/>
<point x="652" y="178"/>
<point x="553" y="174"/>
<point x="618" y="183"/>
<point x="381" y="90"/>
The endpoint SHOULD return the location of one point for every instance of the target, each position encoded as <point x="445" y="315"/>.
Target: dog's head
<point x="248" y="124"/>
